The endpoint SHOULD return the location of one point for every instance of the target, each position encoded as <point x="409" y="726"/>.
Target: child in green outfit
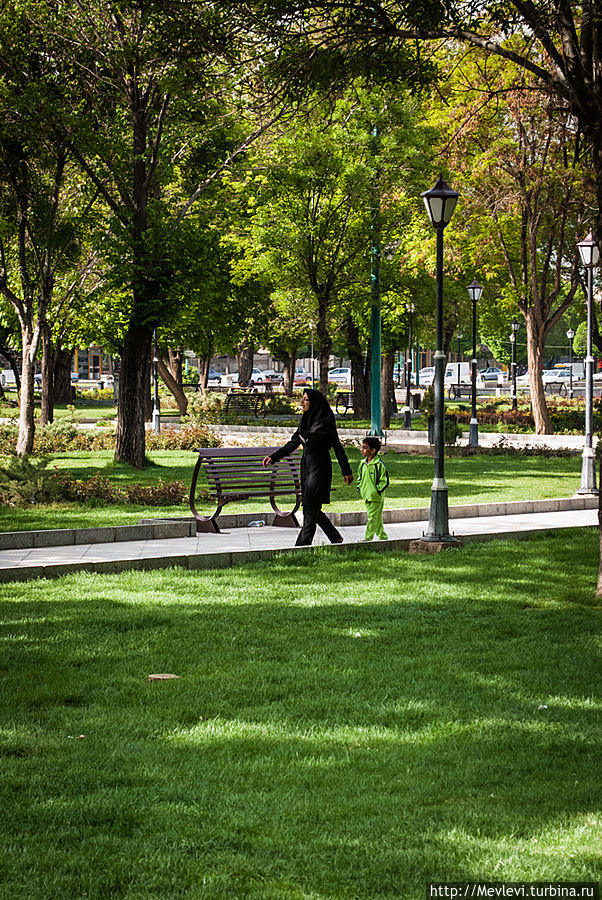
<point x="372" y="482"/>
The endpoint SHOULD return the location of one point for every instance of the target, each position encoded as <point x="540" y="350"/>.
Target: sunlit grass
<point x="343" y="726"/>
<point x="474" y="479"/>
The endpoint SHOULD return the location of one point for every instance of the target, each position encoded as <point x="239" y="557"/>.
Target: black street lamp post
<point x="513" y="335"/>
<point x="570" y="335"/>
<point x="459" y="336"/>
<point x="590" y="256"/>
<point x="474" y="292"/>
<point x="156" y="422"/>
<point x="408" y="410"/>
<point x="440" y="203"/>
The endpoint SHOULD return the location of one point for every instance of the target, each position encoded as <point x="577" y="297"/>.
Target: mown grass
<point x="343" y="726"/>
<point x="474" y="479"/>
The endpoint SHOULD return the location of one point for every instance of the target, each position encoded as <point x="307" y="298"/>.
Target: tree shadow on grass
<point x="343" y="726"/>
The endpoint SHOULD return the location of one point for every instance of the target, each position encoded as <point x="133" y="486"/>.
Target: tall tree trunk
<point x="535" y="355"/>
<point x="47" y="392"/>
<point x="289" y="360"/>
<point x="175" y="364"/>
<point x="361" y="398"/>
<point x="245" y="362"/>
<point x="324" y="340"/>
<point x="63" y="389"/>
<point x="173" y="386"/>
<point x="388" y="388"/>
<point x="30" y="340"/>
<point x="134" y="392"/>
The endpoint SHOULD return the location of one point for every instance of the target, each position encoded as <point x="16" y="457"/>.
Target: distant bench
<point x="246" y="401"/>
<point x="465" y="390"/>
<point x="345" y="402"/>
<point x="556" y="387"/>
<point x="237" y="473"/>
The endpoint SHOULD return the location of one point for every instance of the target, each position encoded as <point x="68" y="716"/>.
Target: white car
<point x="493" y="373"/>
<point x="342" y="375"/>
<point x="551" y="375"/>
<point x="257" y="377"/>
<point x="426" y="375"/>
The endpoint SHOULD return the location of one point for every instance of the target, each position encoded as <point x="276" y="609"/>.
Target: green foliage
<point x="190" y="436"/>
<point x="24" y="480"/>
<point x="208" y="407"/>
<point x="354" y="714"/>
<point x="281" y="405"/>
<point x="101" y="488"/>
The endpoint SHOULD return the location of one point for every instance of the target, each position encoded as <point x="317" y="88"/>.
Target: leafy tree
<point x="523" y="189"/>
<point x="147" y="77"/>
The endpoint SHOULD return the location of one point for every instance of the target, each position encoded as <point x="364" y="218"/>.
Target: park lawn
<point x="471" y="479"/>
<point x="343" y="726"/>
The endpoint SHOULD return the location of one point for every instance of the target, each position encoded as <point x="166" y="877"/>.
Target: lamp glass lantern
<point x="440" y="203"/>
<point x="589" y="251"/>
<point x="570" y="334"/>
<point x="474" y="291"/>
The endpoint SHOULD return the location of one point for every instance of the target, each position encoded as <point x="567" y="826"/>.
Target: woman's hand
<point x="348" y="479"/>
<point x="267" y="461"/>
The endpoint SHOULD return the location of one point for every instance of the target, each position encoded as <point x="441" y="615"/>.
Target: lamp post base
<point x="588" y="473"/>
<point x="407" y="417"/>
<point x="438" y="530"/>
<point x="420" y="545"/>
<point x="156" y="421"/>
<point x="473" y="434"/>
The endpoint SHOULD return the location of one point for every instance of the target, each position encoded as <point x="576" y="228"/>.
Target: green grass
<point x="474" y="479"/>
<point x="343" y="726"/>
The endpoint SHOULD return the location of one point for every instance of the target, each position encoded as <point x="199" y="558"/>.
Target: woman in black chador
<point x="317" y="432"/>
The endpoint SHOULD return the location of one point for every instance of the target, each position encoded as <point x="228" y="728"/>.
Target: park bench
<point x="465" y="390"/>
<point x="242" y="401"/>
<point x="237" y="473"/>
<point x="556" y="387"/>
<point x="344" y="402"/>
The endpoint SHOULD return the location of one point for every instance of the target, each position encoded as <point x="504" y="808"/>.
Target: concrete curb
<point x="163" y="529"/>
<point x="64" y="537"/>
<point x="416" y="513"/>
<point x="230" y="558"/>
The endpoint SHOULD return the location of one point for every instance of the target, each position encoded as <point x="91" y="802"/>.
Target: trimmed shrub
<point x="25" y="481"/>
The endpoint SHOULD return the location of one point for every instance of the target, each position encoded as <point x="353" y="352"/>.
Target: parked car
<point x="458" y="373"/>
<point x="340" y="375"/>
<point x="214" y="377"/>
<point x="493" y="374"/>
<point x="257" y="377"/>
<point x="302" y="376"/>
<point x="426" y="375"/>
<point x="270" y="375"/>
<point x="551" y="375"/>
<point x="38" y="377"/>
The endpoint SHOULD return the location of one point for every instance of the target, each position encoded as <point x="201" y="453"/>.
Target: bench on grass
<point x="237" y="473"/>
<point x="345" y="401"/>
<point x="555" y="387"/>
<point x="246" y="402"/>
<point x="465" y="390"/>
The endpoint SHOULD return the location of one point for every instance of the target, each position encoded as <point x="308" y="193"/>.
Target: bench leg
<point x="286" y="521"/>
<point x="205" y="526"/>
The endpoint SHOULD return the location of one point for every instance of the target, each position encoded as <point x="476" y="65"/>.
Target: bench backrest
<point x="239" y="471"/>
<point x="245" y="400"/>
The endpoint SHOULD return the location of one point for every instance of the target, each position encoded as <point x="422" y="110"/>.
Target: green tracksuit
<point x="372" y="482"/>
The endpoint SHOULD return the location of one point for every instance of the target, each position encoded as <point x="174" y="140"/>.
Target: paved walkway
<point x="243" y="544"/>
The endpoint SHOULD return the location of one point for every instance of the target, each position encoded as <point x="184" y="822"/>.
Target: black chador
<point x="317" y="433"/>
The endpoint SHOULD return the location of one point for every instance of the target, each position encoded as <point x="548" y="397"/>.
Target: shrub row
<point x="27" y="481"/>
<point x="65" y="437"/>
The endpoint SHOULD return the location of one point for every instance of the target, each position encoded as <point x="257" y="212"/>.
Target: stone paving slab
<point x="241" y="545"/>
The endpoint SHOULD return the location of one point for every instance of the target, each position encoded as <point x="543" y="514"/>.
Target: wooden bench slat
<point x="237" y="473"/>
